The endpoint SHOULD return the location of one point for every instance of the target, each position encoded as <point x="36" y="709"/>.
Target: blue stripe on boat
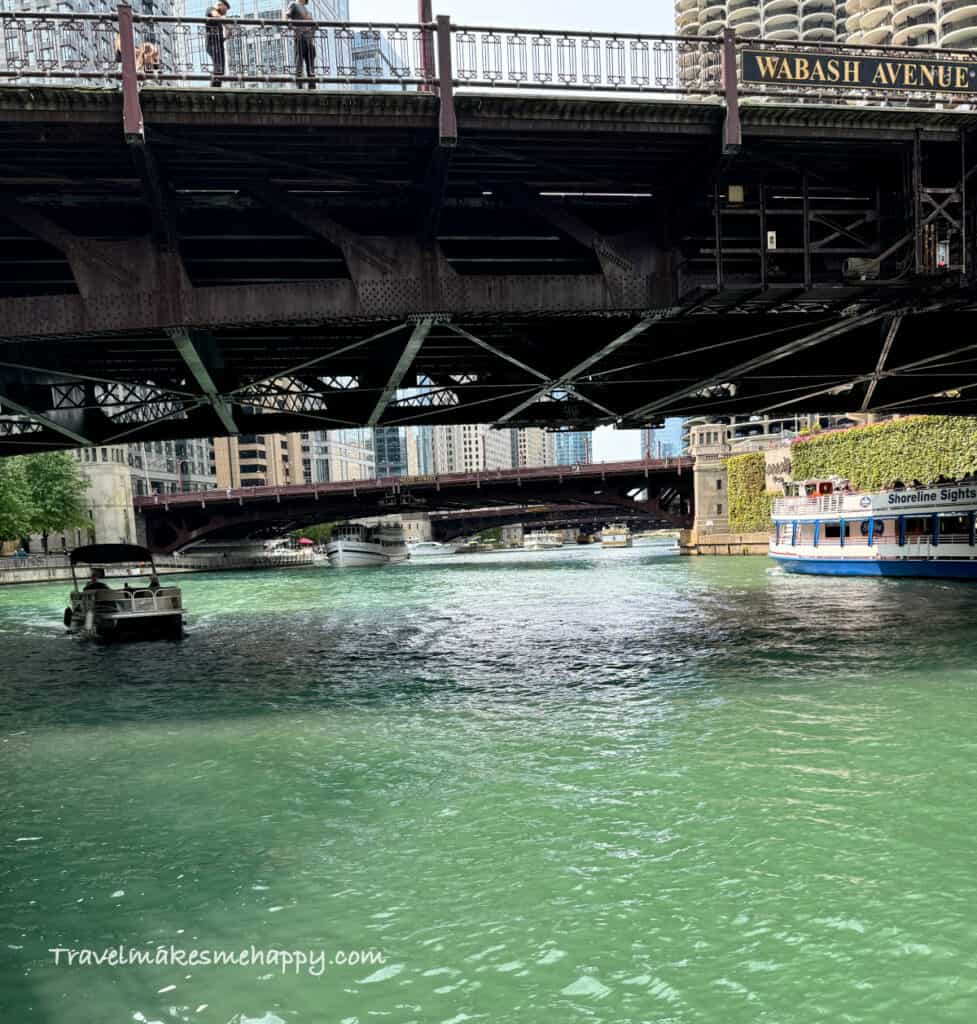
<point x="879" y="567"/>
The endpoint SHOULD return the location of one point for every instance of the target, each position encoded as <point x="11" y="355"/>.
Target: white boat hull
<point x="358" y="554"/>
<point x="429" y="549"/>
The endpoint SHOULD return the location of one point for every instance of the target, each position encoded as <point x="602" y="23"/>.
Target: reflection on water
<point x="578" y="785"/>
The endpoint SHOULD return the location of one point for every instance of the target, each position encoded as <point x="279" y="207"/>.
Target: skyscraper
<point x="574" y="446"/>
<point x="471" y="448"/>
<point x="390" y="451"/>
<point x="662" y="442"/>
<point x="532" y="446"/>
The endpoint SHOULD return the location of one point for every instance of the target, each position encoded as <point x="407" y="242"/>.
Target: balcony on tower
<point x="914" y="23"/>
<point x="958" y="26"/>
<point x="744" y="17"/>
<point x="876" y="22"/>
<point x="687" y="17"/>
<point x="712" y="18"/>
<point x="781" y="19"/>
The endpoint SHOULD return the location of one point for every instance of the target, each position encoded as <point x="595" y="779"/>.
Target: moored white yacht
<point x="354" y="545"/>
<point x="542" y="540"/>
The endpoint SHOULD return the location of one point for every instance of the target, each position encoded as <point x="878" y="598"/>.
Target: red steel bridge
<point x="654" y="491"/>
<point x="471" y="224"/>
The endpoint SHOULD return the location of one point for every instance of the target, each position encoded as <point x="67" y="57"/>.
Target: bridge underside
<point x="659" y="495"/>
<point x="283" y="261"/>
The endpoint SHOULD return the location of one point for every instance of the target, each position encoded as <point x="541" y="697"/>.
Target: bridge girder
<point x="309" y="237"/>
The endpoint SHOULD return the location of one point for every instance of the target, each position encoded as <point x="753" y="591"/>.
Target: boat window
<point x="954" y="528"/>
<point x="918" y="525"/>
<point x="825" y="487"/>
<point x="834" y="530"/>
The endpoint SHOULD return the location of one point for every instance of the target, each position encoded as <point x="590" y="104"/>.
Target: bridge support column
<point x="132" y="123"/>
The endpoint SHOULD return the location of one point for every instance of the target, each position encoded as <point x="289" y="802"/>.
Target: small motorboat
<point x="144" y="611"/>
<point x="427" y="548"/>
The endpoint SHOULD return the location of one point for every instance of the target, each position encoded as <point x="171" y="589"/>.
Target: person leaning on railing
<point x="214" y="40"/>
<point x="298" y="11"/>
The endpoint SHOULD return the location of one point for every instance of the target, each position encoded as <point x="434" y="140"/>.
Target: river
<point x="570" y="786"/>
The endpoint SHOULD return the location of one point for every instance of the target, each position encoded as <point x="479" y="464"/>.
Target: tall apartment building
<point x="470" y="448"/>
<point x="420" y="450"/>
<point x="951" y="24"/>
<point x="573" y="446"/>
<point x="351" y="454"/>
<point x="390" y="451"/>
<point x="171" y="467"/>
<point x="279" y="460"/>
<point x="258" y="460"/>
<point x="532" y="446"/>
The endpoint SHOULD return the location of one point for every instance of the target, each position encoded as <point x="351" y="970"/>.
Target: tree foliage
<point x="870" y="457"/>
<point x="749" y="503"/>
<point x="321" y="533"/>
<point x="40" y="493"/>
<point x="56" y="492"/>
<point x="16" y="511"/>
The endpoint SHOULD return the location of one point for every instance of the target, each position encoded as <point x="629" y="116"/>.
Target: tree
<point x="56" y="492"/>
<point x="321" y="533"/>
<point x="16" y="509"/>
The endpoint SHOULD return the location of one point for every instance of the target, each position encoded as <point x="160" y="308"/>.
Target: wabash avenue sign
<point x="772" y="67"/>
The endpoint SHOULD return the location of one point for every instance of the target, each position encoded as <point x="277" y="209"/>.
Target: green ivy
<point x="870" y="457"/>
<point x="749" y="504"/>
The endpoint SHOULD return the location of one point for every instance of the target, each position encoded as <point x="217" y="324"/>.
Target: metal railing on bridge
<point x="93" y="49"/>
<point x="87" y="48"/>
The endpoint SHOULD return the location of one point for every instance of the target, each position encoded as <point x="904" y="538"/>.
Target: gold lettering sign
<point x="776" y="67"/>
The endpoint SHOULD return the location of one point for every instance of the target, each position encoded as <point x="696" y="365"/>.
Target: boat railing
<point x="163" y="599"/>
<point x="917" y="540"/>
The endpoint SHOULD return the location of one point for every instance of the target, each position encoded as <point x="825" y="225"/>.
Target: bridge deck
<point x="571" y="247"/>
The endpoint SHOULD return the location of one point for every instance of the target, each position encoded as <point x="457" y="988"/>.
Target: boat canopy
<point x="97" y="553"/>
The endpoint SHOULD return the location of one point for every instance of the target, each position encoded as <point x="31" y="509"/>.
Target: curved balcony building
<point x="957" y="25"/>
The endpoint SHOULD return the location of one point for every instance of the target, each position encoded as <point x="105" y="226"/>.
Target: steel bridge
<point x="467" y="224"/>
<point x="657" y="490"/>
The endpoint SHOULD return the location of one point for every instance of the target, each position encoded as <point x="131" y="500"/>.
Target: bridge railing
<point x="54" y="46"/>
<point x="87" y="48"/>
<point x="247" y="52"/>
<point x="522" y="58"/>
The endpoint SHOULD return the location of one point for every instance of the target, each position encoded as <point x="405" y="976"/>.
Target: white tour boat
<point x="824" y="527"/>
<point x="542" y="540"/>
<point x="354" y="545"/>
<point x="617" y="535"/>
<point x="146" y="611"/>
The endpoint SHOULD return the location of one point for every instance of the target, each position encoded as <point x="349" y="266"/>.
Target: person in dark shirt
<point x="298" y="11"/>
<point x="215" y="40"/>
<point x="95" y="580"/>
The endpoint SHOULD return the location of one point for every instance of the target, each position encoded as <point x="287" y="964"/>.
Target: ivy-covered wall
<point x="921" y="447"/>
<point x="749" y="504"/>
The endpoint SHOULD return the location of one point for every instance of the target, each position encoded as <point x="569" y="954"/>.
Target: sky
<point x="605" y="15"/>
<point x="597" y="15"/>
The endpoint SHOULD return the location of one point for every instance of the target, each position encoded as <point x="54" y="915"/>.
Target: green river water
<point x="570" y="786"/>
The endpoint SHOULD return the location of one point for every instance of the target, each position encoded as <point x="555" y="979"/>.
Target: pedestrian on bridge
<point x="215" y="40"/>
<point x="298" y="11"/>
